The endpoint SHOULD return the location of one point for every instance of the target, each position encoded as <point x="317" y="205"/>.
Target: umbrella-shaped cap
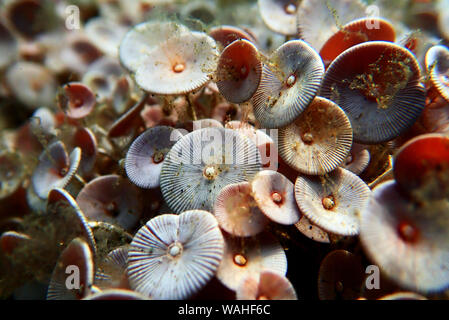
<point x="174" y="256"/>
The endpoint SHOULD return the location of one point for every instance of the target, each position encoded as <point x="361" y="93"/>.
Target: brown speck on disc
<point x="239" y="71"/>
<point x="245" y="257"/>
<point x="319" y="140"/>
<point x="340" y="277"/>
<point x="237" y="212"/>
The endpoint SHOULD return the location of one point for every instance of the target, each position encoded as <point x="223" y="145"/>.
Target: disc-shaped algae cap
<point x="103" y="77"/>
<point x="147" y="153"/>
<point x="12" y="172"/>
<point x="206" y="123"/>
<point x="319" y="20"/>
<point x="106" y="34"/>
<point x="245" y="257"/>
<point x="86" y="140"/>
<point x="78" y="100"/>
<point x="111" y="271"/>
<point x="115" y="235"/>
<point x="174" y="256"/>
<point x="268" y="286"/>
<point x="340" y="276"/>
<point x="28" y="18"/>
<point x="129" y="120"/>
<point x="225" y="35"/>
<point x="279" y="15"/>
<point x="31" y="83"/>
<point x="437" y="64"/>
<point x="179" y="64"/>
<point x="421" y="166"/>
<point x="290" y="81"/>
<point x="78" y="53"/>
<point x="143" y="38"/>
<point x="319" y="140"/>
<point x="77" y="259"/>
<point x="239" y="70"/>
<point x="275" y="196"/>
<point x="408" y="240"/>
<point x="62" y="204"/>
<point x="443" y="18"/>
<point x="356" y="32"/>
<point x="43" y="121"/>
<point x="55" y="168"/>
<point x="202" y="163"/>
<point x="378" y="85"/>
<point x="358" y="159"/>
<point x="111" y="198"/>
<point x="333" y="202"/>
<point x="10" y="240"/>
<point x="237" y="212"/>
